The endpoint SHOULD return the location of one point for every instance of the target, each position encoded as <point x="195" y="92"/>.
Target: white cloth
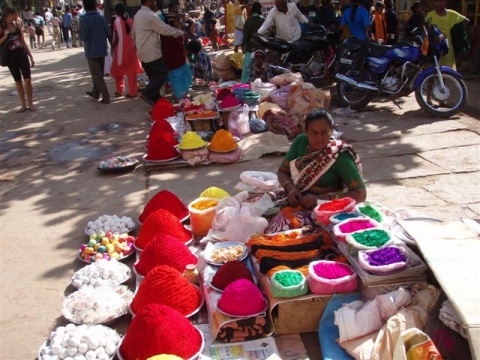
<point x="287" y="25"/>
<point x="147" y="28"/>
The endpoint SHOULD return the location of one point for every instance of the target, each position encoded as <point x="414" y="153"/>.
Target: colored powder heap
<point x="204" y="204"/>
<point x="372" y="238"/>
<point x="335" y="205"/>
<point x="229" y="272"/>
<point x="161" y="142"/>
<point x="214" y="192"/>
<point x="371" y="212"/>
<point x="159" y="329"/>
<point x="161" y="222"/>
<point x="385" y="256"/>
<point x="242" y="298"/>
<point x="332" y="270"/>
<point x="166" y="286"/>
<point x="288" y="278"/>
<point x="164" y="200"/>
<point x="164" y="357"/>
<point x="162" y="110"/>
<point x="222" y="141"/>
<point x="164" y="250"/>
<point x="229" y="101"/>
<point x="347" y="215"/>
<point x="191" y="140"/>
<point x="356" y="225"/>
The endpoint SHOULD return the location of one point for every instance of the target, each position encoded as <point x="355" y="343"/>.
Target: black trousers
<point x="157" y="72"/>
<point x="96" y="70"/>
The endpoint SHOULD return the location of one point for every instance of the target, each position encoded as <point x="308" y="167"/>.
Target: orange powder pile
<point x="164" y="250"/>
<point x="161" y="222"/>
<point x="229" y="272"/>
<point x="166" y="286"/>
<point x="164" y="200"/>
<point x="159" y="329"/>
<point x="222" y="141"/>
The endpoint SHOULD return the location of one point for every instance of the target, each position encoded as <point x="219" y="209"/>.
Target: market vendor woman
<point x="320" y="167"/>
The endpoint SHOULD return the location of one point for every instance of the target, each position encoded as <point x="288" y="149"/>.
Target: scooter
<point x="370" y="70"/>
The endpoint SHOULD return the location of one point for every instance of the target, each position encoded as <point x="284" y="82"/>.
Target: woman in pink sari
<point x="125" y="61"/>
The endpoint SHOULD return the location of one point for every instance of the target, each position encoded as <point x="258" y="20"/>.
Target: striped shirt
<point x="147" y="28"/>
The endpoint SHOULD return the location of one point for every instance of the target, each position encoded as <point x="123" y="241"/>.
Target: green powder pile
<point x="371" y="238"/>
<point x="287" y="279"/>
<point x="370" y="211"/>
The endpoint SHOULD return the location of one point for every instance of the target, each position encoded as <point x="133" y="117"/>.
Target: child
<point x="259" y="68"/>
<point x="31" y="35"/>
<point x="201" y="63"/>
<point x="213" y="34"/>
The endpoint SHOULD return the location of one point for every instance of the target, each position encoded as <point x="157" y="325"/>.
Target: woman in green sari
<point x="319" y="166"/>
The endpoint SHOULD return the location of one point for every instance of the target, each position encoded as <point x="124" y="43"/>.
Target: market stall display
<point x="330" y="277"/>
<point x="102" y="272"/>
<point x="202" y="212"/>
<point x="225" y="252"/>
<point x="242" y="298"/>
<point x="109" y="246"/>
<point x="90" y="341"/>
<point x="349" y="226"/>
<point x="326" y="209"/>
<point x="117" y="164"/>
<point x="166" y="200"/>
<point x="96" y="305"/>
<point x="113" y="223"/>
<point x="228" y="273"/>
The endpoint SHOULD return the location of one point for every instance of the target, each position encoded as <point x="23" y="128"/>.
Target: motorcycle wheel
<point x="434" y="102"/>
<point x="351" y="96"/>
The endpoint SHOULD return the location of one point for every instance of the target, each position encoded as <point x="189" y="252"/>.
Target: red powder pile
<point x="164" y="249"/>
<point x="165" y="285"/>
<point x="162" y="110"/>
<point x="159" y="329"/>
<point x="229" y="272"/>
<point x="164" y="200"/>
<point x="161" y="141"/>
<point x="242" y="298"/>
<point x="328" y="270"/>
<point x="335" y="205"/>
<point x="161" y="222"/>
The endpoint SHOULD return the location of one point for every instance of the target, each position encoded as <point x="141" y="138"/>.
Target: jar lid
<point x="190" y="267"/>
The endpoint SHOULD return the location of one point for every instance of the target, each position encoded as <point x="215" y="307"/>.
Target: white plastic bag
<point x="243" y="225"/>
<point x="227" y="208"/>
<point x="108" y="63"/>
<point x="261" y="180"/>
<point x="238" y="122"/>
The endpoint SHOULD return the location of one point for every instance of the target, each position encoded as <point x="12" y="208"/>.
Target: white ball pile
<point x="95" y="305"/>
<point x="82" y="342"/>
<point x="111" y="223"/>
<point x="102" y="272"/>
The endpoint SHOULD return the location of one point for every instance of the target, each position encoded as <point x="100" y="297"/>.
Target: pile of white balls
<point x="101" y="272"/>
<point x="82" y="342"/>
<point x="111" y="223"/>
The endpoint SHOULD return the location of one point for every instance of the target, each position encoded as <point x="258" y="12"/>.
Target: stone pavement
<point x="50" y="187"/>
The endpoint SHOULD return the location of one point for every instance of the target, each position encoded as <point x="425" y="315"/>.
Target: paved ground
<point x="50" y="187"/>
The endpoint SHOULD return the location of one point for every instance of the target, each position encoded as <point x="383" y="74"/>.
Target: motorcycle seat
<point x="377" y="50"/>
<point x="301" y="45"/>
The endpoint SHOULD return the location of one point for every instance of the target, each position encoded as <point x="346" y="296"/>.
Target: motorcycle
<point x="313" y="55"/>
<point x="367" y="70"/>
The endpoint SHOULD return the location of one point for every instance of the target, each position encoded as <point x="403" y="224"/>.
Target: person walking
<point x="95" y="34"/>
<point x="125" y="61"/>
<point x="391" y="20"/>
<point x="39" y="29"/>
<point x="57" y="36"/>
<point x="357" y="20"/>
<point x="146" y="32"/>
<point x="48" y="20"/>
<point x="75" y="25"/>
<point x="445" y="19"/>
<point x="253" y="23"/>
<point x="67" y="26"/>
<point x="379" y="25"/>
<point x="18" y="56"/>
<point x="239" y="16"/>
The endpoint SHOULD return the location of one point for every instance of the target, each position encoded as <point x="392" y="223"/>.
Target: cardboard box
<point x="299" y="316"/>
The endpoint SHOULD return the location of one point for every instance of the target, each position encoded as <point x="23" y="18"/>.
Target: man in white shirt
<point x="147" y="28"/>
<point x="48" y="20"/>
<point x="287" y="20"/>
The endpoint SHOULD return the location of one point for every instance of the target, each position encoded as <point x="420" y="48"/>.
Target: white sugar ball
<point x="55" y="348"/>
<point x="93" y="343"/>
<point x="74" y="341"/>
<point x="99" y="351"/>
<point x="110" y="349"/>
<point x="72" y="351"/>
<point x="84" y="338"/>
<point x="63" y="353"/>
<point x="65" y="341"/>
<point x="103" y="356"/>
<point x="79" y="357"/>
<point x="82" y="329"/>
<point x="90" y="355"/>
<point x="90" y="223"/>
<point x="70" y="327"/>
<point x="103" y="341"/>
<point x="83" y="348"/>
<point x="130" y="224"/>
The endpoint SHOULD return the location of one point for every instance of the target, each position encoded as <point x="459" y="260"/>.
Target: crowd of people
<point x="187" y="36"/>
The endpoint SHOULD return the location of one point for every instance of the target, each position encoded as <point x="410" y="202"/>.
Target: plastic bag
<point x="236" y="60"/>
<point x="286" y="78"/>
<point x="280" y="96"/>
<point x="238" y="122"/>
<point x="261" y="180"/>
<point x="304" y="97"/>
<point x="243" y="225"/>
<point x="262" y="88"/>
<point x="108" y="63"/>
<point x="225" y="158"/>
<point x="257" y="125"/>
<point x="227" y="209"/>
<point x="414" y="344"/>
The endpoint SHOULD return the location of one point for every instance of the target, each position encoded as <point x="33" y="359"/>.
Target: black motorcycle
<point x="313" y="55"/>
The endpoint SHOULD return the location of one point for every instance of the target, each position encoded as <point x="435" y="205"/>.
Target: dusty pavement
<point x="50" y="187"/>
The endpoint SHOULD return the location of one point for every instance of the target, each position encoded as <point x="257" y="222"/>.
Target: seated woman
<point x="320" y="167"/>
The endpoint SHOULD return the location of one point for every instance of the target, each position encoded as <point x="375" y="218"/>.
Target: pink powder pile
<point x="356" y="225"/>
<point x="328" y="270"/>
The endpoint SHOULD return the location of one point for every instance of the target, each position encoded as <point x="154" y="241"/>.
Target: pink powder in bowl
<point x="352" y="225"/>
<point x="330" y="270"/>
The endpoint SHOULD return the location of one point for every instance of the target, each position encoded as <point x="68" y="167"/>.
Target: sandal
<point x="117" y="94"/>
<point x="33" y="108"/>
<point x="22" y="110"/>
